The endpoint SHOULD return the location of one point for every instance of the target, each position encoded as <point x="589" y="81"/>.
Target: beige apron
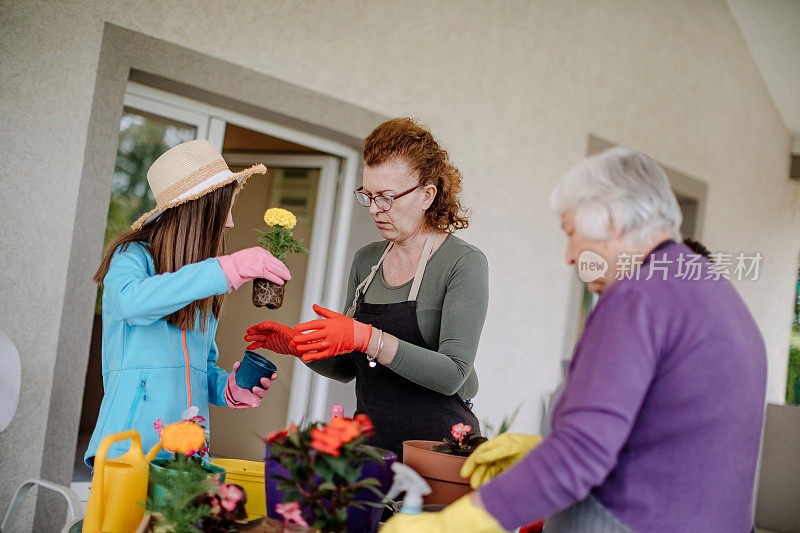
<point x="585" y="516"/>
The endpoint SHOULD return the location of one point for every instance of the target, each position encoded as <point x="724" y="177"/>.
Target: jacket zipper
<point x="141" y="395"/>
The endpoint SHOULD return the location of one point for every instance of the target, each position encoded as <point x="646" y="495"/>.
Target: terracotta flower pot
<point x="267" y="294"/>
<point x="440" y="470"/>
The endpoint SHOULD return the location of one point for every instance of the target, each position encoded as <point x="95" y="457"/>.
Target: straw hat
<point x="189" y="171"/>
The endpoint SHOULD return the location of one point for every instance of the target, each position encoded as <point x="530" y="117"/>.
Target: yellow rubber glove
<point x="494" y="456"/>
<point x="459" y="516"/>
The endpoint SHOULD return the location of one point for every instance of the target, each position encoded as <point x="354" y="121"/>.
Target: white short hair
<point x="618" y="189"/>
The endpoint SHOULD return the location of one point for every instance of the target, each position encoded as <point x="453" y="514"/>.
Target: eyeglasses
<point x="382" y="202"/>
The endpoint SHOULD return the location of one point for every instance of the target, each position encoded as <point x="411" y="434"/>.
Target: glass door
<point x="298" y="182"/>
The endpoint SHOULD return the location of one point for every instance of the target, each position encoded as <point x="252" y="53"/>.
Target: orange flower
<point x="277" y="435"/>
<point x="325" y="442"/>
<point x="183" y="437"/>
<point x="341" y="430"/>
<point x="281" y="434"/>
<point x="364" y="423"/>
<point x="346" y="430"/>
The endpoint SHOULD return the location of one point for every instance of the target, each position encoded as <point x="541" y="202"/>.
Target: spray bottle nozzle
<point x="408" y="481"/>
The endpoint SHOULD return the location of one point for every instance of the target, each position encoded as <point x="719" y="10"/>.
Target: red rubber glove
<point x="272" y="336"/>
<point x="331" y="335"/>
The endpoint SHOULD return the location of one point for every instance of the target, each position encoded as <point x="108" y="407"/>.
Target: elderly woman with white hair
<point x="659" y="422"/>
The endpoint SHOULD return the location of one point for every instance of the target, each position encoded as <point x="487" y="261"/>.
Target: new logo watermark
<point x="591" y="266"/>
<point x="740" y="266"/>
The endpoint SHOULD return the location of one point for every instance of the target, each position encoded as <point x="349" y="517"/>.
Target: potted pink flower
<point x="463" y="441"/>
<point x="440" y="462"/>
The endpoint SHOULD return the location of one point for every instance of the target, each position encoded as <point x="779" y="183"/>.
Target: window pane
<point x="793" y="375"/>
<point x="142" y="138"/>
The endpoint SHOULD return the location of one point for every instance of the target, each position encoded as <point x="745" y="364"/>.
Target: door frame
<point x="335" y="204"/>
<point x="165" y="109"/>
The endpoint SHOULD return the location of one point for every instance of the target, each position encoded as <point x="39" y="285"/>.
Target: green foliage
<point x="183" y="481"/>
<point x="793" y="375"/>
<point x="280" y="242"/>
<point x="141" y="142"/>
<point x="505" y="424"/>
<point x="324" y="485"/>
<point x="184" y="498"/>
<point x="797" y="298"/>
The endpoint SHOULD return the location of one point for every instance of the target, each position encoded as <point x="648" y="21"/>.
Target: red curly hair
<point x="407" y="139"/>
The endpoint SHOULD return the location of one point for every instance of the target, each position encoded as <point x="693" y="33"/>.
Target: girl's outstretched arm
<point x="131" y="292"/>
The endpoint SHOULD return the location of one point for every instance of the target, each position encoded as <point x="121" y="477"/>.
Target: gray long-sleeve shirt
<point x="451" y="309"/>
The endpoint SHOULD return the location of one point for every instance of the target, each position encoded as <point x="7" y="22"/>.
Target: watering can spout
<point x="153" y="452"/>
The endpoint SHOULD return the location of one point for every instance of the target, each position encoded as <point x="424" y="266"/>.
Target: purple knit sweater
<point x="660" y="419"/>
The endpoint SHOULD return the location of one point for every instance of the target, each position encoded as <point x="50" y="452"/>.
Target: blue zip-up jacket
<point x="144" y="376"/>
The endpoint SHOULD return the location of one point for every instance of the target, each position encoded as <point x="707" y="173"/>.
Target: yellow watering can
<point x="119" y="486"/>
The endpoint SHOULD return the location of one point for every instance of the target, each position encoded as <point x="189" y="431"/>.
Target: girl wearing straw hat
<point x="163" y="284"/>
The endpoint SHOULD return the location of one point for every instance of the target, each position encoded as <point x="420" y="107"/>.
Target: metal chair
<point x="74" y="505"/>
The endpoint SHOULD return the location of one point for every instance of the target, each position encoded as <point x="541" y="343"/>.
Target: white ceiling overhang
<point x="771" y="29"/>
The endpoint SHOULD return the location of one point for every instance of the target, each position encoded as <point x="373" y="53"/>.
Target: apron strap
<point x="423" y="261"/>
<point x="364" y="285"/>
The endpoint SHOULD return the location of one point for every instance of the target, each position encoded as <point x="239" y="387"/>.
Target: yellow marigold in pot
<point x="276" y="216"/>
<point x="280" y="241"/>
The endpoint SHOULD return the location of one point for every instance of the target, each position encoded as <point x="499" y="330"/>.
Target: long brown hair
<point x="182" y="235"/>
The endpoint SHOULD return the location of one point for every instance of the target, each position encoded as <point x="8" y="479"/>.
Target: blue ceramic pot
<point x="253" y="368"/>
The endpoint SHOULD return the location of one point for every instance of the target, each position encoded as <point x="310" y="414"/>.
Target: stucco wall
<point x="513" y="89"/>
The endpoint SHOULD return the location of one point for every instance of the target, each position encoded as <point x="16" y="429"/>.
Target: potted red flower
<point x="324" y="477"/>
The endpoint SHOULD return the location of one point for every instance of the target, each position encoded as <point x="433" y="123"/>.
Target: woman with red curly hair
<point x="417" y="300"/>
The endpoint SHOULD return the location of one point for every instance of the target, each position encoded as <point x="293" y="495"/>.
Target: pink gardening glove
<point x="252" y="263"/>
<point x="239" y="398"/>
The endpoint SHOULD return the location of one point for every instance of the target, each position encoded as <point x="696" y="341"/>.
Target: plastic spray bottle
<point x="408" y="481"/>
